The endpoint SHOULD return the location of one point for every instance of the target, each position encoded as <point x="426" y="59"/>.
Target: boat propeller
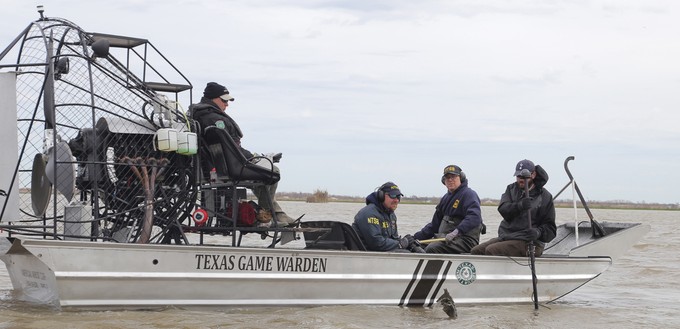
<point x="46" y="173"/>
<point x="41" y="189"/>
<point x="62" y="174"/>
<point x="56" y="166"/>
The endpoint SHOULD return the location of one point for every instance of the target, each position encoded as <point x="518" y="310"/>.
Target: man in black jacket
<point x="211" y="111"/>
<point x="514" y="232"/>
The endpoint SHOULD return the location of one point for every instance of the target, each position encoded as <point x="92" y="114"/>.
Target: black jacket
<point x="208" y="114"/>
<point x="515" y="223"/>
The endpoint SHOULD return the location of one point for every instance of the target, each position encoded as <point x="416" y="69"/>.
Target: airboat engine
<point x="132" y="167"/>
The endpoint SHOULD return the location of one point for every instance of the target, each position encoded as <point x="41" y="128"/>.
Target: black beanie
<point x="214" y="90"/>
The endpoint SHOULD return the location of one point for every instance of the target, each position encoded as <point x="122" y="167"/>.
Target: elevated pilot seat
<point x="234" y="171"/>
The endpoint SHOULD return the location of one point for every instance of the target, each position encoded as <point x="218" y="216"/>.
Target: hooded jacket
<point x="207" y="113"/>
<point x="461" y="208"/>
<point x="515" y="223"/>
<point x="376" y="225"/>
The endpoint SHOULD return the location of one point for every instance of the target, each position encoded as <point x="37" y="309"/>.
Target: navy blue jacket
<point x="376" y="225"/>
<point x="462" y="206"/>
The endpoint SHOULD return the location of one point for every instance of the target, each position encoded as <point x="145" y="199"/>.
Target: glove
<point x="453" y="234"/>
<point x="406" y="241"/>
<point x="534" y="233"/>
<point x="525" y="203"/>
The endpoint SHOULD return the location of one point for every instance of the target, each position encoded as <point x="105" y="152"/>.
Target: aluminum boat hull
<point x="85" y="274"/>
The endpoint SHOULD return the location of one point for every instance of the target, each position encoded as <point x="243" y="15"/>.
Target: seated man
<point x="458" y="216"/>
<point x="514" y="232"/>
<point x="376" y="223"/>
<point x="211" y="111"/>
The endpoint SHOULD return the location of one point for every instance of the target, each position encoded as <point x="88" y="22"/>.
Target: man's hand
<point x="525" y="203"/>
<point x="406" y="241"/>
<point x="450" y="236"/>
<point x="535" y="233"/>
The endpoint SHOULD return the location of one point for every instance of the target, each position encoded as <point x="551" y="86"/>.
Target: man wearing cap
<point x="211" y="111"/>
<point x="457" y="217"/>
<point x="376" y="223"/>
<point x="514" y="232"/>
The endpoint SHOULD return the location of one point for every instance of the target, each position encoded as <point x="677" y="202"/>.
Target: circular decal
<point x="466" y="273"/>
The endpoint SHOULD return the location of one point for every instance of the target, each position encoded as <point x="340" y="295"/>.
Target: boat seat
<point x="341" y="236"/>
<point x="230" y="162"/>
<point x="235" y="172"/>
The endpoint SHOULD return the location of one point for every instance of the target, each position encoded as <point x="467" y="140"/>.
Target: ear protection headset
<point x="462" y="174"/>
<point x="380" y="193"/>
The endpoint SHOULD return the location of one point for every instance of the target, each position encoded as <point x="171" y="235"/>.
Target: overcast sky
<point x="355" y="93"/>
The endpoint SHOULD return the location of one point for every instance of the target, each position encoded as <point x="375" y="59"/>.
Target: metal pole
<point x="526" y="174"/>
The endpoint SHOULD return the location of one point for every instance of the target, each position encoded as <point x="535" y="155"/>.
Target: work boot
<point x="283" y="219"/>
<point x="264" y="216"/>
<point x="268" y="224"/>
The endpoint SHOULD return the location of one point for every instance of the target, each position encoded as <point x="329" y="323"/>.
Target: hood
<point x="541" y="177"/>
<point x="373" y="199"/>
<point x="204" y="105"/>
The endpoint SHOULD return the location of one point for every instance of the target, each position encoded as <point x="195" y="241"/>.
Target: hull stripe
<point x="410" y="284"/>
<point x="427" y="281"/>
<point x="441" y="282"/>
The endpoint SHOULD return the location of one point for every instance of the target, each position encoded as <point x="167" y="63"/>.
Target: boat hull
<point x="85" y="275"/>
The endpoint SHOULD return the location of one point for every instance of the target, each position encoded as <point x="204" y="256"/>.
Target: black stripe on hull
<point x="410" y="284"/>
<point x="424" y="283"/>
<point x="441" y="283"/>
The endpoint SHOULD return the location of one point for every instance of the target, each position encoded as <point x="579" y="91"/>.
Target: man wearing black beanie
<point x="211" y="111"/>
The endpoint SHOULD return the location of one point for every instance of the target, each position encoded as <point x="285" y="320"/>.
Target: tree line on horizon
<point x="322" y="196"/>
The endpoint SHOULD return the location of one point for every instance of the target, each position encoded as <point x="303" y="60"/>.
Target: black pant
<point x="498" y="247"/>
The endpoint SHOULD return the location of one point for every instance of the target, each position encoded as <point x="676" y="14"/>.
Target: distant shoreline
<point x="304" y="197"/>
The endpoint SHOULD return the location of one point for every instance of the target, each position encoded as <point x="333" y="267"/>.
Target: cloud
<point x="359" y="92"/>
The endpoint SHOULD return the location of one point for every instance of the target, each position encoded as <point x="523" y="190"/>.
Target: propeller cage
<point x="85" y="134"/>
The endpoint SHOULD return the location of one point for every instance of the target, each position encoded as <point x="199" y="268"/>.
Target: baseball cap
<point x="391" y="189"/>
<point x="524" y="164"/>
<point x="227" y="97"/>
<point x="452" y="169"/>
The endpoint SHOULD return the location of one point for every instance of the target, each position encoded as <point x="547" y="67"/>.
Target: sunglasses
<point x="397" y="196"/>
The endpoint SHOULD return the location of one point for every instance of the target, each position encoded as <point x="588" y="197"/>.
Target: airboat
<point x="105" y="202"/>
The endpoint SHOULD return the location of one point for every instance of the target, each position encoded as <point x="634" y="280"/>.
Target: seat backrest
<point x="237" y="166"/>
<point x="340" y="237"/>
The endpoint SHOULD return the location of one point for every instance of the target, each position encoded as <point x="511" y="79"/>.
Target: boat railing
<point x="596" y="228"/>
